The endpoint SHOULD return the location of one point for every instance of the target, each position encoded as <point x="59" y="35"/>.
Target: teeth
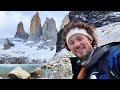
<point x="79" y="50"/>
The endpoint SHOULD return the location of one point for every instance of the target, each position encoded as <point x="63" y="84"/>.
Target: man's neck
<point x="86" y="59"/>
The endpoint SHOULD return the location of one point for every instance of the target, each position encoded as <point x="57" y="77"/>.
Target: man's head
<point x="79" y="38"/>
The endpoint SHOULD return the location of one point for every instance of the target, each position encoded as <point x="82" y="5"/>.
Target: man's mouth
<point x="80" y="49"/>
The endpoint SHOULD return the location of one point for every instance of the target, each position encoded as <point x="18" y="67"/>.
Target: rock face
<point x="97" y="18"/>
<point x="13" y="60"/>
<point x="65" y="21"/>
<point x="20" y="32"/>
<point x="35" y="28"/>
<point x="8" y="44"/>
<point x="36" y="72"/>
<point x="59" y="45"/>
<point x="46" y="33"/>
<point x="59" y="67"/>
<point x="49" y="30"/>
<point x="108" y="33"/>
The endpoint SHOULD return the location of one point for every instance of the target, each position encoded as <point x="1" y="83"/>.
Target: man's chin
<point x="79" y="56"/>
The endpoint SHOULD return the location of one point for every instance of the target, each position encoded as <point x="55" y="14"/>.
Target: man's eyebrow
<point x="79" y="36"/>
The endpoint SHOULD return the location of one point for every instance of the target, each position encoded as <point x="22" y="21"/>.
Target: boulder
<point x="18" y="73"/>
<point x="36" y="72"/>
<point x="8" y="44"/>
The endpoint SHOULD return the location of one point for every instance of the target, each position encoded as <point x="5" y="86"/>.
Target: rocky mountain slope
<point x="96" y="18"/>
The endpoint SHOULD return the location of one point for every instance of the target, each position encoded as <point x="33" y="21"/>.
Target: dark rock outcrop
<point x="96" y="18"/>
<point x="59" y="45"/>
<point x="59" y="42"/>
<point x="20" y="32"/>
<point x="8" y="44"/>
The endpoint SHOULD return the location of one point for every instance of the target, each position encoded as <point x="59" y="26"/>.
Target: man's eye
<point x="71" y="43"/>
<point x="79" y="39"/>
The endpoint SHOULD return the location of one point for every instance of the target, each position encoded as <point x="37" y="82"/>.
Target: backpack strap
<point x="97" y="54"/>
<point x="103" y="52"/>
<point x="99" y="51"/>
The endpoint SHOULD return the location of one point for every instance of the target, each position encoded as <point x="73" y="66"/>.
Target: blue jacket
<point x="104" y="63"/>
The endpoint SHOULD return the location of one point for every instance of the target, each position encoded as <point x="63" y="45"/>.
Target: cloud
<point x="57" y="15"/>
<point x="10" y="19"/>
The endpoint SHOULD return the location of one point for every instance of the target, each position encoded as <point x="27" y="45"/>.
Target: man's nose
<point x="77" y="44"/>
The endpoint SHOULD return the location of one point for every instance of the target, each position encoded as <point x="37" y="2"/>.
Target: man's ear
<point x="89" y="40"/>
<point x="66" y="46"/>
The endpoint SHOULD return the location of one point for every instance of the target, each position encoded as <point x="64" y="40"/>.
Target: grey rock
<point x="8" y="44"/>
<point x="49" y="30"/>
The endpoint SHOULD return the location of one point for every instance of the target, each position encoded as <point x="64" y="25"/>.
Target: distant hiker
<point x="91" y="62"/>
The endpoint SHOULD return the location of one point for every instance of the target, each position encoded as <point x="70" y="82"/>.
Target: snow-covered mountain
<point x="57" y="65"/>
<point x="44" y="52"/>
<point x="97" y="18"/>
<point x="29" y="51"/>
<point x="37" y="46"/>
<point x="33" y="50"/>
<point x="61" y="63"/>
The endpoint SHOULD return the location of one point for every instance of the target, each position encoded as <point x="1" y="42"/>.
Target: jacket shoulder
<point x="75" y="67"/>
<point x="114" y="59"/>
<point x="114" y="51"/>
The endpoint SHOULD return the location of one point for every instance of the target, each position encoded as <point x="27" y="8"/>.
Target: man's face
<point x="80" y="45"/>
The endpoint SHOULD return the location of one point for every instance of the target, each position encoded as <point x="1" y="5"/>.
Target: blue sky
<point x="10" y="19"/>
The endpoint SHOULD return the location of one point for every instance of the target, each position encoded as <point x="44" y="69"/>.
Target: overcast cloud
<point x="10" y="19"/>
